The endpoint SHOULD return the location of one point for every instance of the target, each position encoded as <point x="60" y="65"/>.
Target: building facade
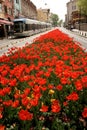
<point x="11" y="9"/>
<point x="6" y="9"/>
<point x="17" y="8"/>
<point x="43" y="15"/>
<point x="6" y="17"/>
<point x="71" y="7"/>
<point x="74" y="17"/>
<point x="28" y="9"/>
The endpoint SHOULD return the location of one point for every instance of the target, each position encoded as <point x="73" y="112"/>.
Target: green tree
<point x="82" y="4"/>
<point x="55" y="19"/>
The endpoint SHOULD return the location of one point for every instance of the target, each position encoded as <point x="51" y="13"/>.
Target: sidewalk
<point x="4" y="40"/>
<point x="6" y="44"/>
<point x="80" y="32"/>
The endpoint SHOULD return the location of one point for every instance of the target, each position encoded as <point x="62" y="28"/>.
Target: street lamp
<point x="79" y="18"/>
<point x="48" y="10"/>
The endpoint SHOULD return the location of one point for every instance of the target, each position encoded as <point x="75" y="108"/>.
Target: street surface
<point x="6" y="44"/>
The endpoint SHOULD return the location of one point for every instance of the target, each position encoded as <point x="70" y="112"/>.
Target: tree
<point x="82" y="4"/>
<point x="55" y="19"/>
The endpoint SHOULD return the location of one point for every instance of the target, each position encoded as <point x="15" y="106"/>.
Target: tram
<point x="28" y="27"/>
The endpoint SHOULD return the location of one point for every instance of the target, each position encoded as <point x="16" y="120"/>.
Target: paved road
<point x="8" y="43"/>
<point x="5" y="44"/>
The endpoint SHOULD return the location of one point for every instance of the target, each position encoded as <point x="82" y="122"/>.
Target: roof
<point x="31" y="21"/>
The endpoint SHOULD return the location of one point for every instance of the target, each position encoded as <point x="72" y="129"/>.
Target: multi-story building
<point x="6" y="16"/>
<point x="71" y="7"/>
<point x="1" y="10"/>
<point x="74" y="16"/>
<point x="17" y="8"/>
<point x="10" y="9"/>
<point x="28" y="9"/>
<point x="6" y="9"/>
<point x="43" y="15"/>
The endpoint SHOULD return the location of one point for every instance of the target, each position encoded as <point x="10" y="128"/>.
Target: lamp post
<point x="48" y="10"/>
<point x="79" y="18"/>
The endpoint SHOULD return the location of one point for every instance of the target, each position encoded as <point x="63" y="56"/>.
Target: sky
<point x="56" y="6"/>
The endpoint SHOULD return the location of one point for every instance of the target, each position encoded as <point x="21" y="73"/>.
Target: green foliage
<point x="82" y="4"/>
<point x="54" y="19"/>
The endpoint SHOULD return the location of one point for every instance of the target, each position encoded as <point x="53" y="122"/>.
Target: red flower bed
<point x="44" y="85"/>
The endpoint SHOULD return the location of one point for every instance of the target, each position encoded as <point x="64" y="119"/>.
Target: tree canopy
<point x="54" y="19"/>
<point x="82" y="4"/>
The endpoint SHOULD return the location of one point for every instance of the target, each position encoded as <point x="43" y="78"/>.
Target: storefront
<point x="5" y="27"/>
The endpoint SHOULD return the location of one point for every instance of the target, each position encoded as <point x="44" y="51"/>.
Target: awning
<point x="6" y="22"/>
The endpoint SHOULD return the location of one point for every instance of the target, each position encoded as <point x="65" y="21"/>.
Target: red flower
<point x="44" y="108"/>
<point x="36" y="89"/>
<point x="65" y="103"/>
<point x="2" y="127"/>
<point x="25" y="115"/>
<point x="34" y="102"/>
<point x="25" y="101"/>
<point x="27" y="91"/>
<point x="17" y="94"/>
<point x="64" y="80"/>
<point x="6" y="90"/>
<point x="59" y="87"/>
<point x="55" y="106"/>
<point x="84" y="113"/>
<point x="47" y="74"/>
<point x="15" y="104"/>
<point x="74" y="75"/>
<point x="7" y="103"/>
<point x="3" y="80"/>
<point x="41" y="81"/>
<point x="1" y="115"/>
<point x="12" y="82"/>
<point x="73" y="96"/>
<point x="78" y="85"/>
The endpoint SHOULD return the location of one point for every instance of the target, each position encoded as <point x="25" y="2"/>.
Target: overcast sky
<point x="56" y="6"/>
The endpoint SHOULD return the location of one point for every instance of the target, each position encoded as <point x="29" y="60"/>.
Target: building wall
<point x="74" y="16"/>
<point x="43" y="15"/>
<point x="1" y="11"/>
<point x="28" y="9"/>
<point x="82" y="26"/>
<point x="71" y="7"/>
<point x="6" y="10"/>
<point x="17" y="8"/>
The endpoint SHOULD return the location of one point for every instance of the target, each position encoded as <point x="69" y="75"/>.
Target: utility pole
<point x="80" y="18"/>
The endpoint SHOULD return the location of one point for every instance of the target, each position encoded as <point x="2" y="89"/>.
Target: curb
<point x="82" y="33"/>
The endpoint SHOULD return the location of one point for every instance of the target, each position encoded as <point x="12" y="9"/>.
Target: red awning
<point x="6" y="22"/>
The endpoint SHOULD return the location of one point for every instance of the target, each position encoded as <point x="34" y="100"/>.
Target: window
<point x="5" y="9"/>
<point x="0" y="7"/>
<point x="10" y="11"/>
<point x="17" y="1"/>
<point x="73" y="7"/>
<point x="26" y="27"/>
